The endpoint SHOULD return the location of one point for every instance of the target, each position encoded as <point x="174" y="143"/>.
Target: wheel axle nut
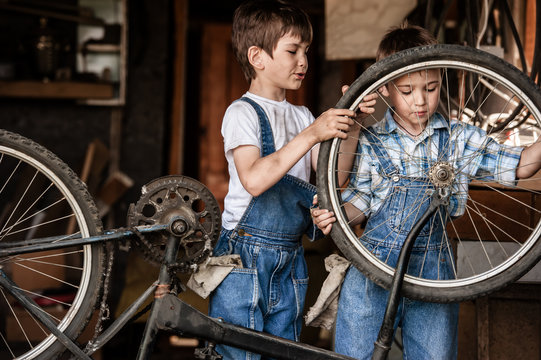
<point x="179" y="227"/>
<point x="442" y="174"/>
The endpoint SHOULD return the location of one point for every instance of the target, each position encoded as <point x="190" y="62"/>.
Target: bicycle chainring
<point x="172" y="197"/>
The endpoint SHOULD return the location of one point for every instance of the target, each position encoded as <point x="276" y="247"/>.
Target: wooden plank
<point x="503" y="325"/>
<point x="114" y="187"/>
<point x="503" y="209"/>
<point x="221" y="83"/>
<point x="529" y="31"/>
<point x="96" y="158"/>
<point x="483" y="334"/>
<point x="176" y="149"/>
<point x="467" y="331"/>
<point x="56" y="89"/>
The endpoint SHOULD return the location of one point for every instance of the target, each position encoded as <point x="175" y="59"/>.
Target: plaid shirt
<point x="472" y="153"/>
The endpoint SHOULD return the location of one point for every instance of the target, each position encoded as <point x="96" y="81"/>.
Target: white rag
<point x="323" y="313"/>
<point x="211" y="273"/>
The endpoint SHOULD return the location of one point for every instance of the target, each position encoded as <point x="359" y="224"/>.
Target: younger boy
<point x="270" y="148"/>
<point x="411" y="128"/>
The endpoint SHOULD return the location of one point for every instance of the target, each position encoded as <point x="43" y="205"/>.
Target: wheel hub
<point x="442" y="174"/>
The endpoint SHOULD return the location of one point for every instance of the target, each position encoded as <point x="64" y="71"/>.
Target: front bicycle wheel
<point x="41" y="197"/>
<point x="491" y="225"/>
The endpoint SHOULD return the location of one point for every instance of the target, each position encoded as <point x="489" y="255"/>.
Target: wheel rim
<point x="34" y="347"/>
<point x="451" y="66"/>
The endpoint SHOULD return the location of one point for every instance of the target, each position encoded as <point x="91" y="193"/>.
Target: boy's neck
<point x="268" y="92"/>
<point x="412" y="130"/>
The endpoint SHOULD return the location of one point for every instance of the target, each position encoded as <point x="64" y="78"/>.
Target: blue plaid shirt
<point x="473" y="154"/>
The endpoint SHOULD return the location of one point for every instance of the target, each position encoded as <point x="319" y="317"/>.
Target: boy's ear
<point x="255" y="57"/>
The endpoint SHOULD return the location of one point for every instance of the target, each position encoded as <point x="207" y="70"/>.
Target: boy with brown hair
<point x="270" y="146"/>
<point x="411" y="128"/>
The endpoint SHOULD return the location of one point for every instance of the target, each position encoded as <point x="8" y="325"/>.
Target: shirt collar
<point x="388" y="124"/>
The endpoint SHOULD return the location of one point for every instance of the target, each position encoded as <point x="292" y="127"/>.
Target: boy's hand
<point x="337" y="122"/>
<point x="322" y="218"/>
<point x="366" y="107"/>
<point x="333" y="123"/>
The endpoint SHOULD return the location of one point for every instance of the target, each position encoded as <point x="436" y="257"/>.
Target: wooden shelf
<point x="56" y="89"/>
<point x="101" y="48"/>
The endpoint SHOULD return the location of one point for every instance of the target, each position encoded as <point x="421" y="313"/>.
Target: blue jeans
<point x="429" y="330"/>
<point x="268" y="295"/>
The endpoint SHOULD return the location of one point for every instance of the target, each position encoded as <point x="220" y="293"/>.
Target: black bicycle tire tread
<point x="378" y="70"/>
<point x="80" y="192"/>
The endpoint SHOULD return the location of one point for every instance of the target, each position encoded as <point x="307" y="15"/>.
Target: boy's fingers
<point x="326" y="226"/>
<point x="343" y="112"/>
<point x="367" y="109"/>
<point x="321" y="214"/>
<point x="343" y="126"/>
<point x="327" y="229"/>
<point x="372" y="96"/>
<point x="369" y="102"/>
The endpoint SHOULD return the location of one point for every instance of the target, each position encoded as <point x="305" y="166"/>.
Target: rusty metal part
<point x="192" y="213"/>
<point x="441" y="174"/>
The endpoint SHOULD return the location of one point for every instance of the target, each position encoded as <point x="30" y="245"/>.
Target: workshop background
<point x="128" y="91"/>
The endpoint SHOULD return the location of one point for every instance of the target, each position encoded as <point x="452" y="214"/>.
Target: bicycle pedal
<point x="207" y="353"/>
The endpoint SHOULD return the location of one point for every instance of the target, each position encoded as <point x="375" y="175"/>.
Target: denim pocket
<point x="235" y="299"/>
<point x="300" y="284"/>
<point x="406" y="207"/>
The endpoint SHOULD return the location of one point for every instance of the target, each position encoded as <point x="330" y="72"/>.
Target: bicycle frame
<point x="168" y="312"/>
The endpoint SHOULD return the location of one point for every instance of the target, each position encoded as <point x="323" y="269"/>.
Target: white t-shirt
<point x="240" y="126"/>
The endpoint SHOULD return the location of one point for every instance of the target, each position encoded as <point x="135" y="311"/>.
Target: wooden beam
<point x="176" y="152"/>
<point x="56" y="89"/>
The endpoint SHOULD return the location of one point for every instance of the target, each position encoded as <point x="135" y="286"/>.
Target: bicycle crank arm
<point x="59" y="242"/>
<point x="179" y="317"/>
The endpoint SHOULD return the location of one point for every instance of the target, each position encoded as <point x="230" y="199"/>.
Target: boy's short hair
<point x="403" y="37"/>
<point x="262" y="23"/>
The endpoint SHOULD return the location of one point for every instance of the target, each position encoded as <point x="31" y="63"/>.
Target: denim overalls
<point x="268" y="293"/>
<point x="429" y="330"/>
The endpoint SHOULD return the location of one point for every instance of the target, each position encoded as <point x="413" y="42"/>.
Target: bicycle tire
<point x="72" y="277"/>
<point x="488" y="70"/>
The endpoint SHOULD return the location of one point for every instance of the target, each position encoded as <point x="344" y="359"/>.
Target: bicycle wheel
<point x="491" y="225"/>
<point x="42" y="197"/>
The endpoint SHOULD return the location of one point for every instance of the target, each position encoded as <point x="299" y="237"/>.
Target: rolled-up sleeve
<point x="491" y="161"/>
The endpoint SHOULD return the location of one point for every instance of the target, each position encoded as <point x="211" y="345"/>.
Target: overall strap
<point x="267" y="139"/>
<point x="282" y="211"/>
<point x="388" y="168"/>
